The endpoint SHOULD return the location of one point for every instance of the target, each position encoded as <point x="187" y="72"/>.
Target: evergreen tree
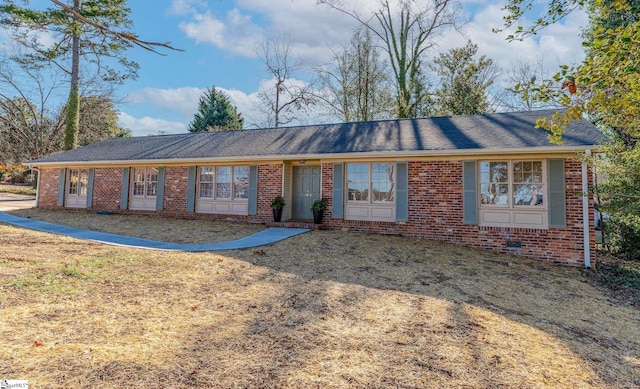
<point x="215" y="113"/>
<point x="463" y="81"/>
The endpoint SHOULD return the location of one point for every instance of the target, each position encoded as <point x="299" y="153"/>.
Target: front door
<point x="306" y="189"/>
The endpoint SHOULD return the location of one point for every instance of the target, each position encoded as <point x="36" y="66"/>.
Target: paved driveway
<point x="10" y="201"/>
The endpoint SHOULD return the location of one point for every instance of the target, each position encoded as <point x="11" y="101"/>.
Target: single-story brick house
<point x="490" y="181"/>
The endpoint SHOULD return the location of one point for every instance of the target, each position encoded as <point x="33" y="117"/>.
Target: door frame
<point x="314" y="196"/>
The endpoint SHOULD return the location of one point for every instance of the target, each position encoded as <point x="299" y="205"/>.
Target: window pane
<point x="241" y="182"/>
<point x="528" y="188"/>
<point x="152" y="181"/>
<point x="494" y="183"/>
<point x="358" y="181"/>
<point x="206" y="174"/>
<point x="206" y="189"/>
<point x="223" y="182"/>
<point x="382" y="182"/>
<point x="83" y="180"/>
<point x="205" y="184"/>
<point x="73" y="181"/>
<point x="138" y="181"/>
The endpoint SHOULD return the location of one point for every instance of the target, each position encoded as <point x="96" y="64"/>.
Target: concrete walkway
<point x="268" y="236"/>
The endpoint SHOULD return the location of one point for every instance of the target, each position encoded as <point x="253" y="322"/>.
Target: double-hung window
<point x="206" y="182"/>
<point x="370" y="191"/>
<point x="223" y="189"/>
<point x="513" y="193"/>
<point x="241" y="182"/>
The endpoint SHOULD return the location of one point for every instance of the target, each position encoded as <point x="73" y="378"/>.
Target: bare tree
<point x="32" y="115"/>
<point x="287" y="97"/>
<point x="27" y="129"/>
<point x="406" y="35"/>
<point x="356" y="85"/>
<point x="521" y="79"/>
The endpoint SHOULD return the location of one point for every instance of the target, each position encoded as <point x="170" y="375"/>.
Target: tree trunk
<point x="73" y="104"/>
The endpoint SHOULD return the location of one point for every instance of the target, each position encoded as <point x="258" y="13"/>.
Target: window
<point x="145" y="182"/>
<point x="494" y="183"/>
<point x="241" y="182"/>
<point x="512" y="184"/>
<point x="78" y="181"/>
<point x="206" y="182"/>
<point x="528" y="188"/>
<point x="370" y="182"/>
<point x="223" y="182"/>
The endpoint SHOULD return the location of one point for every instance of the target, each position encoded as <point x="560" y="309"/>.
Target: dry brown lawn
<point x="143" y="226"/>
<point x="322" y="309"/>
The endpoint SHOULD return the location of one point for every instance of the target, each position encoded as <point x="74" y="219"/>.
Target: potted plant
<point x="276" y="205"/>
<point x="318" y="208"/>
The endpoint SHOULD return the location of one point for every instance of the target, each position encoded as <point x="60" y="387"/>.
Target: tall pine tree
<point x="96" y="31"/>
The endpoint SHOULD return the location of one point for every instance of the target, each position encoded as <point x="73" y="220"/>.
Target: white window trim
<point x="142" y="202"/>
<point x="370" y="210"/>
<point x="512" y="215"/>
<point x="370" y="201"/>
<point x="76" y="200"/>
<point x="146" y="182"/>
<point x="221" y="205"/>
<point x="215" y="175"/>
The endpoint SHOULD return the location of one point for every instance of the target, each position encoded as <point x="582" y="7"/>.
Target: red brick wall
<point x="48" y="189"/>
<point x="269" y="186"/>
<point x="107" y="186"/>
<point x="435" y="208"/>
<point x="175" y="189"/>
<point x="435" y="212"/>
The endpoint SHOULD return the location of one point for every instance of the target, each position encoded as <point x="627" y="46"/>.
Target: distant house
<point x="490" y="181"/>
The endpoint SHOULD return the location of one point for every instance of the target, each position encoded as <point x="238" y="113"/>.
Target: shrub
<point x="623" y="236"/>
<point x="16" y="174"/>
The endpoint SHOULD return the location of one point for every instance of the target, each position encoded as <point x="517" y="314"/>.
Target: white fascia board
<point x="466" y="154"/>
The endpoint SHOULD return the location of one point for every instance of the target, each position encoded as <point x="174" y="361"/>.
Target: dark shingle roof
<point x="500" y="131"/>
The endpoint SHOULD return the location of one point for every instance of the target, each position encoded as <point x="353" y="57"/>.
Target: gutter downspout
<point x="37" y="185"/>
<point x="585" y="211"/>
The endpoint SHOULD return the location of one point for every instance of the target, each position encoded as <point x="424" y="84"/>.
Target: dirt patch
<point x="323" y="309"/>
<point x="163" y="229"/>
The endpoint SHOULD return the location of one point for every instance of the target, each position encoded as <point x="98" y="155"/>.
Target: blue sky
<point x="219" y="39"/>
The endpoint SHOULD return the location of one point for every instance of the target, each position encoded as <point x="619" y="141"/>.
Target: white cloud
<point x="183" y="100"/>
<point x="236" y="33"/>
<point x="559" y="43"/>
<point x="205" y="28"/>
<point x="184" y="7"/>
<point x="149" y="126"/>
<point x="241" y="30"/>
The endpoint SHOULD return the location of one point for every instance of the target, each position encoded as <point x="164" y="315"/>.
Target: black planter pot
<point x="277" y="214"/>
<point x="317" y="216"/>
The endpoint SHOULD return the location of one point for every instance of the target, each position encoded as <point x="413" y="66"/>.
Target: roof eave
<point x="467" y="153"/>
